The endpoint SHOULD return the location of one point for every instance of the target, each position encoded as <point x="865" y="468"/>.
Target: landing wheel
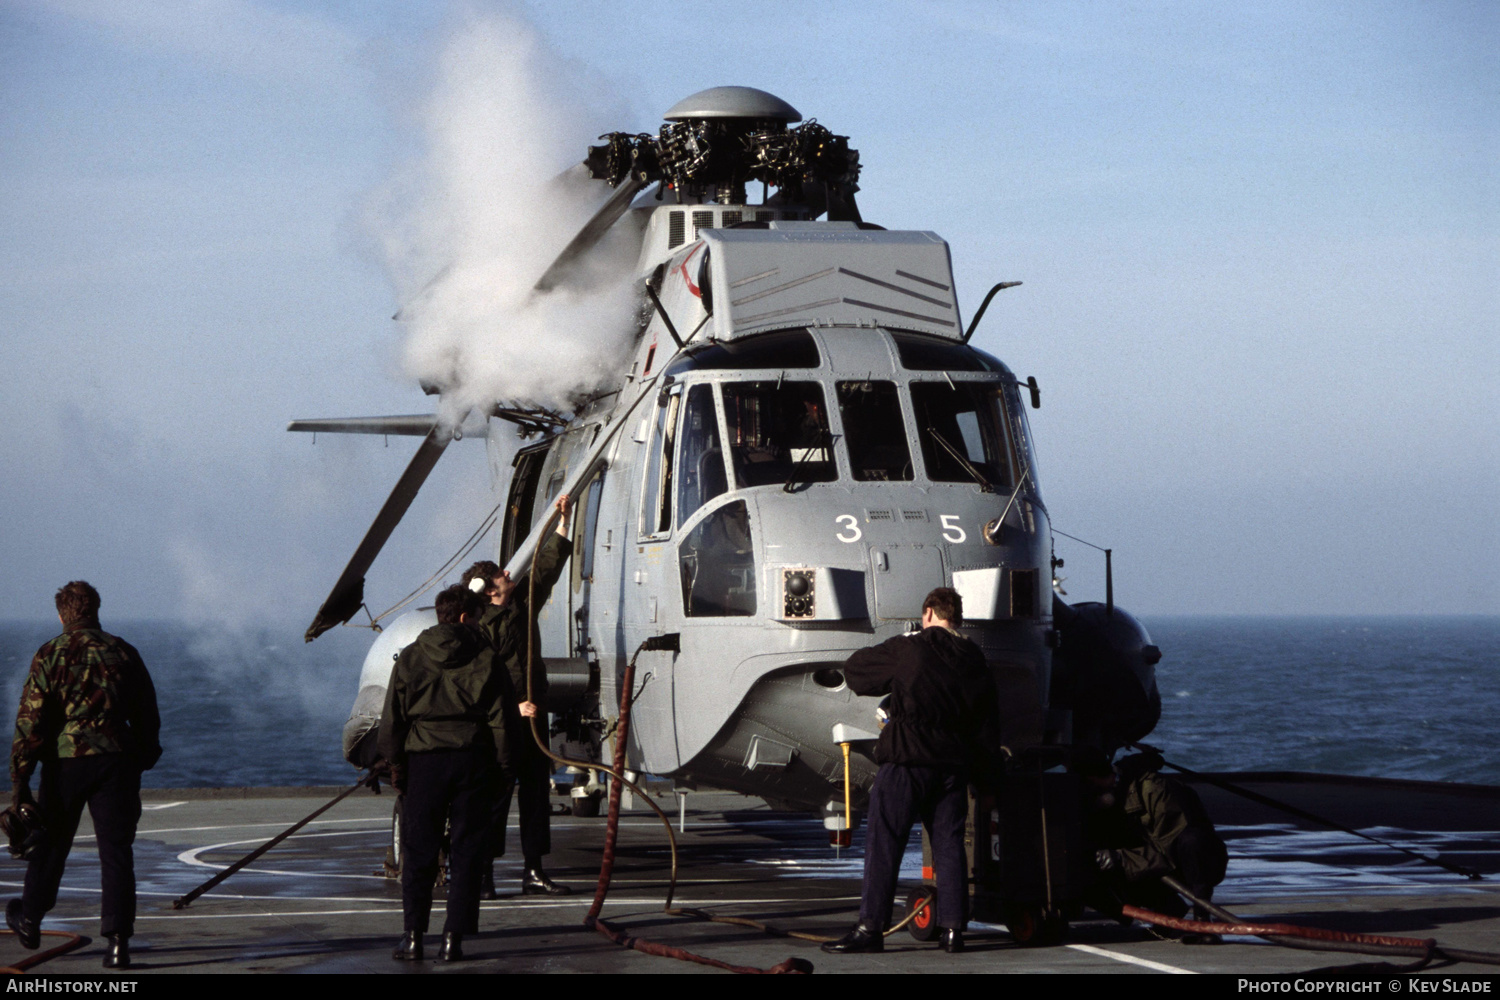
<point x="923" y="902"/>
<point x="393" y="852"/>
<point x="1035" y="926"/>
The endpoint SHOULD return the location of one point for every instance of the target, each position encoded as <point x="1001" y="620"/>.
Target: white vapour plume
<point x="485" y="214"/>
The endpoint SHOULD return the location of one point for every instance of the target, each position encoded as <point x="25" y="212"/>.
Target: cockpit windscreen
<point x="962" y="429"/>
<point x="778" y="433"/>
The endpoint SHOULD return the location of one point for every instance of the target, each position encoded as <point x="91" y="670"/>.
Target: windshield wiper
<point x="823" y="443"/>
<point x="984" y="484"/>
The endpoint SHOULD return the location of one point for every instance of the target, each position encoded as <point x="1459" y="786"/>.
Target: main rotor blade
<point x="591" y="233"/>
<point x="349" y="593"/>
<point x="415" y="425"/>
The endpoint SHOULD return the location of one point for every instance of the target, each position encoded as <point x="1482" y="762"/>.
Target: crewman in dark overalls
<point x="943" y="729"/>
<point x="508" y="621"/>
<point x="448" y="710"/>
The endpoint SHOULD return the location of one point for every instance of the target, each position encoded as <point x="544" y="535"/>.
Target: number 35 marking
<point x="851" y="526"/>
<point x="951" y="531"/>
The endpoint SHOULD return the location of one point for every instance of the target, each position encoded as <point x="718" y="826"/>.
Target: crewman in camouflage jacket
<point x="506" y="621"/>
<point x="1145" y="825"/>
<point x="88" y="715"/>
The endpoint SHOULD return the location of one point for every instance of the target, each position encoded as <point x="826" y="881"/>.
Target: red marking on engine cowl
<point x="697" y="292"/>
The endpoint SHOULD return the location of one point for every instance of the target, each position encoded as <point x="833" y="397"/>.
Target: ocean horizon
<point x="1408" y="696"/>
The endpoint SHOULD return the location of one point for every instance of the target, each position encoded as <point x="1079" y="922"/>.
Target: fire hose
<point x="612" y="825"/>
<point x="1311" y="938"/>
<point x="32" y="961"/>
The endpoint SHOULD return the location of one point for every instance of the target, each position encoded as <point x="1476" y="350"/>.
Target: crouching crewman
<point x="1143" y="826"/>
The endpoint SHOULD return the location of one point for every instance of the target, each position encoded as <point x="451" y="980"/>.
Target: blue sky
<point x="1259" y="247"/>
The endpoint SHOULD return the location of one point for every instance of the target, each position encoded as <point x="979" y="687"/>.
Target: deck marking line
<point x="194" y="915"/>
<point x="162" y="805"/>
<point x="380" y="824"/>
<point x="1130" y="959"/>
<point x="383" y="824"/>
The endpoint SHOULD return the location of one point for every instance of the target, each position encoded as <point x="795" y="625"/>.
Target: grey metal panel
<point x="830" y="273"/>
<point x="733" y="102"/>
<point x="904" y="575"/>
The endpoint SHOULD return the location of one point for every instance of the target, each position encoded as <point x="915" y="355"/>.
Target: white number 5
<point x="851" y="525"/>
<point x="952" y="532"/>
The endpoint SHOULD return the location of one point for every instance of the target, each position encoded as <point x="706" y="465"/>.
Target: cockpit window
<point x="656" y="499"/>
<point x="934" y="354"/>
<point x="1021" y="433"/>
<point x="784" y="349"/>
<point x="962" y="429"/>
<point x="874" y="431"/>
<point x="717" y="562"/>
<point x="778" y="433"/>
<point x="701" y="477"/>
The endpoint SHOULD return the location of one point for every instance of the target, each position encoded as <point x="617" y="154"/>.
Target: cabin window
<point x="783" y="349"/>
<point x="962" y="430"/>
<point x="937" y="354"/>
<point x="656" y="498"/>
<point x="585" y="526"/>
<point x="874" y="432"/>
<point x="700" y="475"/>
<point x="778" y="433"/>
<point x="717" y="562"/>
<point x="518" y="505"/>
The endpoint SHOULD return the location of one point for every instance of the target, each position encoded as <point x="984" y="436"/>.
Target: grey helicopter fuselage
<point x="802" y="447"/>
<point x="787" y="494"/>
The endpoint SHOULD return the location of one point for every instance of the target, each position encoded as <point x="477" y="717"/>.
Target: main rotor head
<point x="717" y="140"/>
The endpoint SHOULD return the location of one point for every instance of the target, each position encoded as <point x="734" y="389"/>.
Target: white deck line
<point x="579" y="903"/>
<point x="1145" y="963"/>
<point x="385" y="824"/>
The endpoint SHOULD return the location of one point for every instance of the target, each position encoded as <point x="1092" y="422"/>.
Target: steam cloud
<point x="469" y="230"/>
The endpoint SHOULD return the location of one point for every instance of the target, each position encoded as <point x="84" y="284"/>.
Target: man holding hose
<point x="510" y="624"/>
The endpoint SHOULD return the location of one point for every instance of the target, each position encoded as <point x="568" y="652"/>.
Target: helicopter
<point x="804" y="444"/>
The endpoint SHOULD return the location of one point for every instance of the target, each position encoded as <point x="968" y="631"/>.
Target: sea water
<point x="1406" y="697"/>
<point x="1402" y="697"/>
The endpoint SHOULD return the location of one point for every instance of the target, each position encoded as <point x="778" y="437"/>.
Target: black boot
<point x="118" y="954"/>
<point x="487" y="882"/>
<point x="536" y="883"/>
<point x="27" y="931"/>
<point x="453" y="947"/>
<point x="863" y="938"/>
<point x="409" y="949"/>
<point x="952" y="940"/>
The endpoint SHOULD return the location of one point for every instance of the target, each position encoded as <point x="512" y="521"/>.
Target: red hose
<point x="1425" y="945"/>
<point x="607" y="865"/>
<point x="31" y="961"/>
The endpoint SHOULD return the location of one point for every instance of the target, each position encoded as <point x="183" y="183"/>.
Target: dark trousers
<point x="533" y="773"/>
<point x="902" y="794"/>
<point x="110" y="785"/>
<point x="457" y="786"/>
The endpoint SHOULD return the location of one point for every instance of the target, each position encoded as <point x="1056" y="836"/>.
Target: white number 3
<point x="851" y="525"/>
<point x="951" y="531"/>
